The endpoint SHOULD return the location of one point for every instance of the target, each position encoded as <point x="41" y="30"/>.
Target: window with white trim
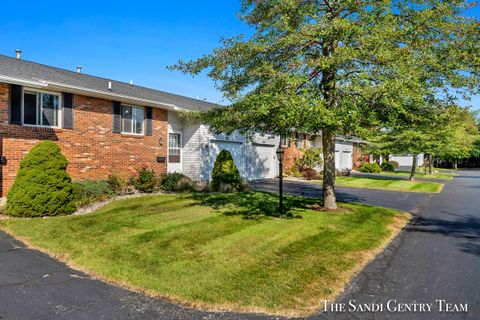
<point x="174" y="146"/>
<point x="133" y="119"/>
<point x="41" y="108"/>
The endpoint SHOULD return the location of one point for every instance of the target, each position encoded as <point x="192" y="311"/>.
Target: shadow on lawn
<point x="254" y="205"/>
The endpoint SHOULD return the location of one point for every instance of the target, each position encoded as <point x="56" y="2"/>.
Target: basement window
<point x="41" y="109"/>
<point x="132" y="119"/>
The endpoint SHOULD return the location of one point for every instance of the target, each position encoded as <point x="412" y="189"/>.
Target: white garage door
<point x="261" y="162"/>
<point x="346" y="160"/>
<point x="254" y="161"/>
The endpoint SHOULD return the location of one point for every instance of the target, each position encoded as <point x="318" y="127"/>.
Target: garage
<point x="254" y="161"/>
<point x="260" y="162"/>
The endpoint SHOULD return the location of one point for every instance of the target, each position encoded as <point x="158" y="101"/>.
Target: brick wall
<point x="92" y="149"/>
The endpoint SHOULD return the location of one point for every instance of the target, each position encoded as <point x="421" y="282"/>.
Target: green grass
<point x="220" y="251"/>
<point x="437" y="175"/>
<point x="376" y="182"/>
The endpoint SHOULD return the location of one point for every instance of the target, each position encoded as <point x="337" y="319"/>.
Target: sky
<point x="126" y="40"/>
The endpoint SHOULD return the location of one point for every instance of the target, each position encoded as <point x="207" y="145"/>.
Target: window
<point x="41" y="109"/>
<point x="285" y="142"/>
<point x="174" y="148"/>
<point x="299" y="142"/>
<point x="132" y="119"/>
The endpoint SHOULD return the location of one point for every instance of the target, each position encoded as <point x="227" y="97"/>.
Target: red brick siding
<point x="292" y="153"/>
<point x="92" y="149"/>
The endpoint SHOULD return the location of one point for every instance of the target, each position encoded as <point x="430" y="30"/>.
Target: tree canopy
<point x="338" y="67"/>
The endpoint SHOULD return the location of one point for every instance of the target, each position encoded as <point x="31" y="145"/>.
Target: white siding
<point x="192" y="152"/>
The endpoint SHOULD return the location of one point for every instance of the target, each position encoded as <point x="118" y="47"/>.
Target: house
<point x="105" y="126"/>
<point x="405" y="161"/>
<point x="348" y="153"/>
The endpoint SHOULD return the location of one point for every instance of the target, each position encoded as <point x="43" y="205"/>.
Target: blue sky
<point x="124" y="40"/>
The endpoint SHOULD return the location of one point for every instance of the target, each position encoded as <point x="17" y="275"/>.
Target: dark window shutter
<point x="68" y="111"/>
<point x="149" y="121"/>
<point x="117" y="118"/>
<point x="15" y="111"/>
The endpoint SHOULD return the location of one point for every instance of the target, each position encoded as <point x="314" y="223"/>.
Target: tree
<point x="335" y="67"/>
<point x="42" y="186"/>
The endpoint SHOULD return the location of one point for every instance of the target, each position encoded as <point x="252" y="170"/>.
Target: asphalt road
<point x="437" y="257"/>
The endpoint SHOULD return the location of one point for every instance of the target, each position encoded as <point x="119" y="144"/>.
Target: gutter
<point x="42" y="84"/>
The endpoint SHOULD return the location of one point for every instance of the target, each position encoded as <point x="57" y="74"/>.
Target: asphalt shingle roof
<point x="26" y="70"/>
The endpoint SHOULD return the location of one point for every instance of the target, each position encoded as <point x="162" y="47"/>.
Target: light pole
<point x="280" y="152"/>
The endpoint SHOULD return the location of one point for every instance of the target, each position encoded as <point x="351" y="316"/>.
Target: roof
<point x="27" y="72"/>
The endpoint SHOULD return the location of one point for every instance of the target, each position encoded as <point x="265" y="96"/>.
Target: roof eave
<point x="44" y="84"/>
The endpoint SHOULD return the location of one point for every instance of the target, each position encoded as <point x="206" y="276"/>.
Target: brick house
<point x="348" y="153"/>
<point x="101" y="125"/>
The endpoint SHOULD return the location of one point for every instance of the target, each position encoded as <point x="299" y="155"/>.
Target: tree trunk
<point x="455" y="164"/>
<point x="430" y="165"/>
<point x="329" y="198"/>
<point x="414" y="168"/>
<point x="427" y="161"/>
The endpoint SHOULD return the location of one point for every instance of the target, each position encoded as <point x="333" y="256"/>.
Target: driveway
<point x="406" y="201"/>
<point x="436" y="257"/>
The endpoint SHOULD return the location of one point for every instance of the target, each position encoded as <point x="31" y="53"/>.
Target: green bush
<point x="387" y="166"/>
<point x="175" y="182"/>
<point x="42" y="186"/>
<point x="145" y="180"/>
<point x="225" y="175"/>
<point x="87" y="191"/>
<point x="370" y="168"/>
<point x="395" y="164"/>
<point x="115" y="182"/>
<point x="311" y="158"/>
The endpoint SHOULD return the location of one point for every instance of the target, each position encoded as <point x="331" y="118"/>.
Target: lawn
<point x="220" y="251"/>
<point x="384" y="183"/>
<point x="437" y="175"/>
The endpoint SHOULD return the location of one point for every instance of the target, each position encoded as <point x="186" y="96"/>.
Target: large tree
<point x="333" y="66"/>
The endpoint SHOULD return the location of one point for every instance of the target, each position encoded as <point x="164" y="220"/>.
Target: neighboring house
<point x="405" y="161"/>
<point x="347" y="150"/>
<point x="105" y="126"/>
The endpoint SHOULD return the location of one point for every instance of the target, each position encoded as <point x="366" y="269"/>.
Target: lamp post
<point x="280" y="152"/>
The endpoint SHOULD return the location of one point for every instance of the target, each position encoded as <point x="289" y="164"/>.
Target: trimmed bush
<point x="42" y="186"/>
<point x="370" y="168"/>
<point x="225" y="175"/>
<point x="387" y="166"/>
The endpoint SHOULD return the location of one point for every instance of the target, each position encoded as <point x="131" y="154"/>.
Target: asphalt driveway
<point x="405" y="201"/>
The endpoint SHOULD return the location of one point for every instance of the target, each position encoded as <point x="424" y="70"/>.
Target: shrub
<point x="311" y="158"/>
<point x="175" y="181"/>
<point x="387" y="166"/>
<point x="310" y="174"/>
<point x="115" y="182"/>
<point x="145" y="180"/>
<point x="87" y="191"/>
<point x="395" y="164"/>
<point x="42" y="186"/>
<point x="370" y="168"/>
<point x="294" y="172"/>
<point x="225" y="175"/>
<point x="344" y="172"/>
